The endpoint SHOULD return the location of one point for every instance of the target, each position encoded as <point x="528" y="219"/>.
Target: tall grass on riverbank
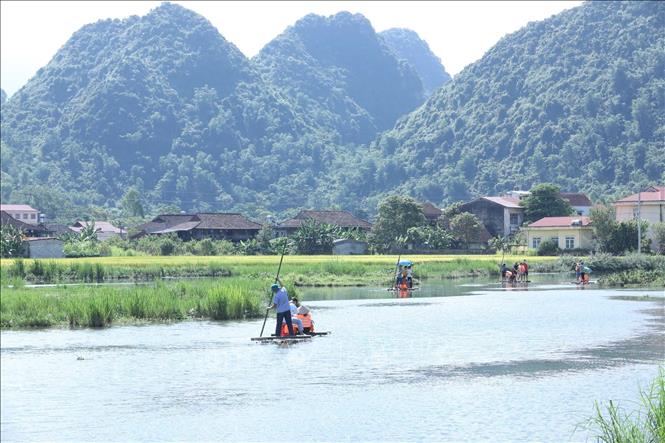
<point x="612" y="424"/>
<point x="302" y="270"/>
<point x="97" y="306"/>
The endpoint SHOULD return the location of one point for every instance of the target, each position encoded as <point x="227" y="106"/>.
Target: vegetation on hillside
<point x="163" y="105"/>
<point x="407" y="45"/>
<point x="575" y="100"/>
<point x="339" y="70"/>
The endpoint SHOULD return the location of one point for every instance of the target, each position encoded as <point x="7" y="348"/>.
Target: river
<point x="461" y="360"/>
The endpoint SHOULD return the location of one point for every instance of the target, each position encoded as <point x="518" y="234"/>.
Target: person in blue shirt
<point x="280" y="301"/>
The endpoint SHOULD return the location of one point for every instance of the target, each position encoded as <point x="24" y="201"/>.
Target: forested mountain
<point x="162" y="103"/>
<point x="576" y="100"/>
<point x="3" y="96"/>
<point x="340" y="71"/>
<point x="407" y="45"/>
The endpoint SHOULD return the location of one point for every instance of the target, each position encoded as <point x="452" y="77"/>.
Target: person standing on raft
<point x="280" y="301"/>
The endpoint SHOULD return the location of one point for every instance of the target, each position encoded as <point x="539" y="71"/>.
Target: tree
<point x="624" y="237"/>
<point x="396" y="215"/>
<point x="659" y="240"/>
<point x="429" y="237"/>
<point x="545" y="201"/>
<point x="603" y="220"/>
<point x="263" y="238"/>
<point x="131" y="203"/>
<point x="466" y="227"/>
<point x="448" y="213"/>
<point x="88" y="233"/>
<point x="11" y="241"/>
<point x="548" y="247"/>
<point x="315" y="238"/>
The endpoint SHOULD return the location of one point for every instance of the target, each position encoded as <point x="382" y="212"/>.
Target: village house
<point x="58" y="229"/>
<point x="24" y="213"/>
<point x="217" y="226"/>
<point x="580" y="202"/>
<point x="104" y="229"/>
<point x="28" y="229"/>
<point x="565" y="232"/>
<point x="342" y="219"/>
<point x="431" y="212"/>
<point x="503" y="216"/>
<point x="650" y="205"/>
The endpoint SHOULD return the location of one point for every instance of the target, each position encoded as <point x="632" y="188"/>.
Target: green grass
<point x="612" y="424"/>
<point x="98" y="306"/>
<point x="301" y="270"/>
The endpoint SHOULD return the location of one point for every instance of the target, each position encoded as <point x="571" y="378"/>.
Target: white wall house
<point x="651" y="204"/>
<point x="566" y="232"/>
<point x="24" y="213"/>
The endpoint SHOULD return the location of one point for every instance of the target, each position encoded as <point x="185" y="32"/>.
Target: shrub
<point x="167" y="247"/>
<point x="548" y="247"/>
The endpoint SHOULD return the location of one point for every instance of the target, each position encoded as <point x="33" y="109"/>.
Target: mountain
<point x="407" y="45"/>
<point x="162" y="103"/>
<point x="576" y="100"/>
<point x="3" y="96"/>
<point x="339" y="70"/>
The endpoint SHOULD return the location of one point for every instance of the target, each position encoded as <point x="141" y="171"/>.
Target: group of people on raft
<point x="289" y="312"/>
<point x="518" y="273"/>
<point x="581" y="273"/>
<point x="404" y="277"/>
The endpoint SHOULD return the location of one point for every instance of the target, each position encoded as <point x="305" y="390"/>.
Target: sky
<point x="459" y="33"/>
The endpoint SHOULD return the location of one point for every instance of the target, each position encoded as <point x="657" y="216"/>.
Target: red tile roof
<point x="655" y="193"/>
<point x="559" y="222"/>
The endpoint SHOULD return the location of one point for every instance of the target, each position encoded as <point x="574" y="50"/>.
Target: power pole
<point x="639" y="221"/>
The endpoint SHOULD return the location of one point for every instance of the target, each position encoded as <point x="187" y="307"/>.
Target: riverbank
<point x="299" y="270"/>
<point x="99" y="306"/>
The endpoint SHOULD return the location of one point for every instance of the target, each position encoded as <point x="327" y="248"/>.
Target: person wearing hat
<point x="294" y="319"/>
<point x="280" y="301"/>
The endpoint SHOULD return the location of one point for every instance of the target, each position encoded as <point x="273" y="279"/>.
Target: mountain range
<point x="332" y="114"/>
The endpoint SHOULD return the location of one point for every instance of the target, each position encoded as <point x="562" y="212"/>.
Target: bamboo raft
<point x="290" y="337"/>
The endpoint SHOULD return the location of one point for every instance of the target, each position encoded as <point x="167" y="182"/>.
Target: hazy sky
<point x="457" y="32"/>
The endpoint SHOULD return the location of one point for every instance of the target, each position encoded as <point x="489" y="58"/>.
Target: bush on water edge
<point x="611" y="424"/>
<point x="637" y="277"/>
<point x="97" y="306"/>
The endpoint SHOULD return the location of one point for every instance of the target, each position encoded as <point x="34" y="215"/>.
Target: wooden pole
<point x="279" y="268"/>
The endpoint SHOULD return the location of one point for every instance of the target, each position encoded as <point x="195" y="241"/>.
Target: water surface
<point x="460" y="360"/>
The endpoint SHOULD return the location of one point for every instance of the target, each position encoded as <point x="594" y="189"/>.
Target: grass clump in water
<point x="98" y="306"/>
<point x="612" y="424"/>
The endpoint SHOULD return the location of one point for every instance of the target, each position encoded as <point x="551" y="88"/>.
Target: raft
<point x="284" y="338"/>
